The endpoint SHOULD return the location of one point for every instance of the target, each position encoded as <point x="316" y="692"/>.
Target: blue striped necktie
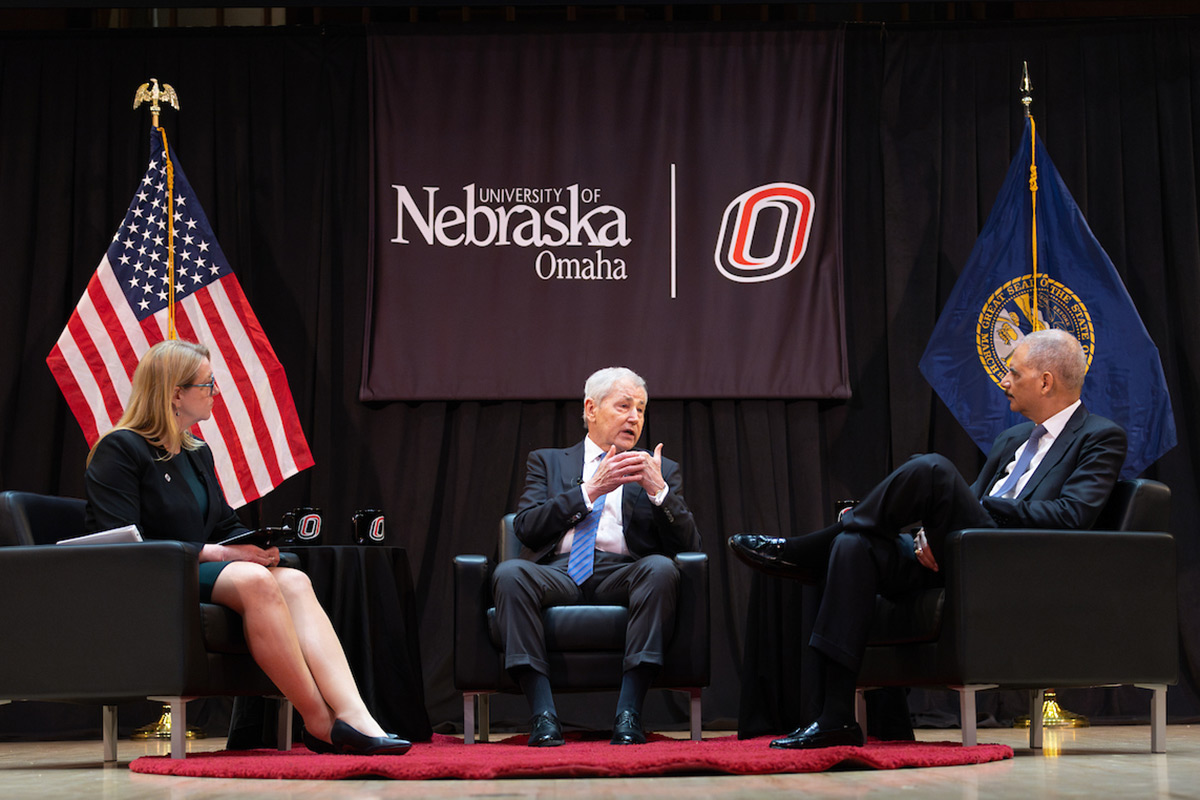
<point x="581" y="563"/>
<point x="1022" y="464"/>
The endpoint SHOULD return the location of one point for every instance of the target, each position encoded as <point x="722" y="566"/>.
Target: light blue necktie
<point x="583" y="546"/>
<point x="1022" y="464"/>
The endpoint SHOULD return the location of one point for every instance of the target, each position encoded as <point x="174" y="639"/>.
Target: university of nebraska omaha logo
<point x="764" y="232"/>
<point x="1008" y="316"/>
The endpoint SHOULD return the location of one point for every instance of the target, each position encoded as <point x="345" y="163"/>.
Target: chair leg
<point x="468" y="718"/>
<point x="966" y="711"/>
<point x="1158" y="716"/>
<point x="178" y="727"/>
<point x="485" y="723"/>
<point x="695" y="712"/>
<point x="1037" y="702"/>
<point x="108" y="728"/>
<point x="860" y="707"/>
<point x="283" y="725"/>
<point x="469" y="700"/>
<point x="178" y="723"/>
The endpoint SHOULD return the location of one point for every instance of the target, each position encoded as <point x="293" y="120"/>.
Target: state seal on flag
<point x="1008" y="315"/>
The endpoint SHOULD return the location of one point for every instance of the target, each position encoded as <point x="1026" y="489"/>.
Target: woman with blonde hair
<point x="152" y="472"/>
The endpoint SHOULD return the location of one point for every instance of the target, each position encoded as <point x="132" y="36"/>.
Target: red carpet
<point x="448" y="757"/>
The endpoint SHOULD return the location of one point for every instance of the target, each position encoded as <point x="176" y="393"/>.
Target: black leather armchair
<point x="1039" y="609"/>
<point x="113" y="623"/>
<point x="585" y="642"/>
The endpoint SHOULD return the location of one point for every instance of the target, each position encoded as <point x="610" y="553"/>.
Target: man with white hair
<point x="1055" y="471"/>
<point x="600" y="522"/>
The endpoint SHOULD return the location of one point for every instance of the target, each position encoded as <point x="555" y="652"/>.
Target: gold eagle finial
<point x="152" y="93"/>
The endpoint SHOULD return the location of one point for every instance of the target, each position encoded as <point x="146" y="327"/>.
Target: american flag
<point x="254" y="432"/>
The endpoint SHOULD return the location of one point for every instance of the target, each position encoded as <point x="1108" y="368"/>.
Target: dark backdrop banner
<point x="546" y="204"/>
<point x="930" y="126"/>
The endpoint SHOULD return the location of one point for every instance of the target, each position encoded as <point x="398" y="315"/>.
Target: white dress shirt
<point x="1054" y="428"/>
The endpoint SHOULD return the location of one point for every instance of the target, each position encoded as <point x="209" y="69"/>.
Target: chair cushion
<point x="576" y="628"/>
<point x="908" y="619"/>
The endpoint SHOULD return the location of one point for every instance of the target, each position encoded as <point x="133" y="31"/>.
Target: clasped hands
<point x="630" y="466"/>
<point x="268" y="557"/>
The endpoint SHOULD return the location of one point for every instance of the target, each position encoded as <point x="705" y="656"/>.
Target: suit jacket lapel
<point x="1056" y="451"/>
<point x="1016" y="436"/>
<point x="571" y="468"/>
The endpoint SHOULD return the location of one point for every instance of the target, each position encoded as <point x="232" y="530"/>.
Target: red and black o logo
<point x="764" y="233"/>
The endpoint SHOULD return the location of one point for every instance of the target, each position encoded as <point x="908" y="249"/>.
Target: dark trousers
<point x="870" y="556"/>
<point x="649" y="586"/>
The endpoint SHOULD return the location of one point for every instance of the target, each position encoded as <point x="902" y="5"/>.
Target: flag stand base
<point x="1054" y="716"/>
<point x="162" y="729"/>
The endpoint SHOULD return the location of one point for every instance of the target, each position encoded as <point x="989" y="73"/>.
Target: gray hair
<point x="602" y="381"/>
<point x="1058" y="352"/>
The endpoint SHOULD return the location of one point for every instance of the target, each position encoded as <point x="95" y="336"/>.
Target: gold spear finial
<point x="1026" y="87"/>
<point x="154" y="94"/>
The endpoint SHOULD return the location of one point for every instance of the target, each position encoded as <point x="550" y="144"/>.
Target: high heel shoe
<point x="316" y="745"/>
<point x="349" y="741"/>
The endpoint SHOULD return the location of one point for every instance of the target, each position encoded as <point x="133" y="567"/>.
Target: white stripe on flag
<point x="221" y="351"/>
<point x="261" y="381"/>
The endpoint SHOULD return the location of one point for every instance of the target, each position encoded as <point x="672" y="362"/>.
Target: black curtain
<point x="272" y="133"/>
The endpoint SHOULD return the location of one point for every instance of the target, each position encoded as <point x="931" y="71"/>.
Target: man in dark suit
<point x="600" y="522"/>
<point x="1055" y="471"/>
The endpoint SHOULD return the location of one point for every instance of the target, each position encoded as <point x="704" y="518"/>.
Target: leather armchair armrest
<point x="690" y="644"/>
<point x="475" y="658"/>
<point x="1062" y="608"/>
<point x="97" y="621"/>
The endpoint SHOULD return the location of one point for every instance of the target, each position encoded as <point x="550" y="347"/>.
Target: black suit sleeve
<point x="673" y="520"/>
<point x="544" y="517"/>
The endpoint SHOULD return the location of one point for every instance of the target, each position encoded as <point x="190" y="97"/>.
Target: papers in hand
<point x="126" y="533"/>
<point x="264" y="537"/>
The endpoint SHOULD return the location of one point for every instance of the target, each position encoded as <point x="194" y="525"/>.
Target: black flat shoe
<point x="813" y="737"/>
<point x="348" y="741"/>
<point x="765" y="554"/>
<point x="627" y="729"/>
<point x="316" y="745"/>
<point x="545" y="731"/>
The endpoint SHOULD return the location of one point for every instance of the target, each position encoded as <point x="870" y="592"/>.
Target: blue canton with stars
<point x="138" y="253"/>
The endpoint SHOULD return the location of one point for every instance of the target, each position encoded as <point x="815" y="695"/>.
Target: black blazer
<point x="552" y="504"/>
<point x="1070" y="486"/>
<point x="129" y="483"/>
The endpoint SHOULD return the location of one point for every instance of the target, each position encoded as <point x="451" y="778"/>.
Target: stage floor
<point x="1096" y="763"/>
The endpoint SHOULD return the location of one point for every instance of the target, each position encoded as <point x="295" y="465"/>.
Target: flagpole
<point x="1053" y="715"/>
<point x="151" y="92"/>
<point x="1026" y="100"/>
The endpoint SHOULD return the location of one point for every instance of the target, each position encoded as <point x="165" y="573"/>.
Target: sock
<point x="634" y="685"/>
<point x="536" y="687"/>
<point x="812" y="549"/>
<point x="838" y="707"/>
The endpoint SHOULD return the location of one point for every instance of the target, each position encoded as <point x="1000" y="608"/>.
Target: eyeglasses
<point x="211" y="385"/>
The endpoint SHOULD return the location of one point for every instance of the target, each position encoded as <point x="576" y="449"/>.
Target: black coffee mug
<point x="368" y="526"/>
<point x="306" y="522"/>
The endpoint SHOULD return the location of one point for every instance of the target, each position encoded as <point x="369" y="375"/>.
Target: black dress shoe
<point x="347" y="740"/>
<point x="316" y="745"/>
<point x="545" y="731"/>
<point x="627" y="729"/>
<point x="765" y="554"/>
<point x="813" y="736"/>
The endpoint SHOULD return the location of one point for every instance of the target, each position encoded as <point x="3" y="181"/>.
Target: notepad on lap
<point x="126" y="533"/>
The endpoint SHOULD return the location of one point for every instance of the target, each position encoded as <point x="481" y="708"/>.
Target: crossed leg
<point x="292" y="640"/>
